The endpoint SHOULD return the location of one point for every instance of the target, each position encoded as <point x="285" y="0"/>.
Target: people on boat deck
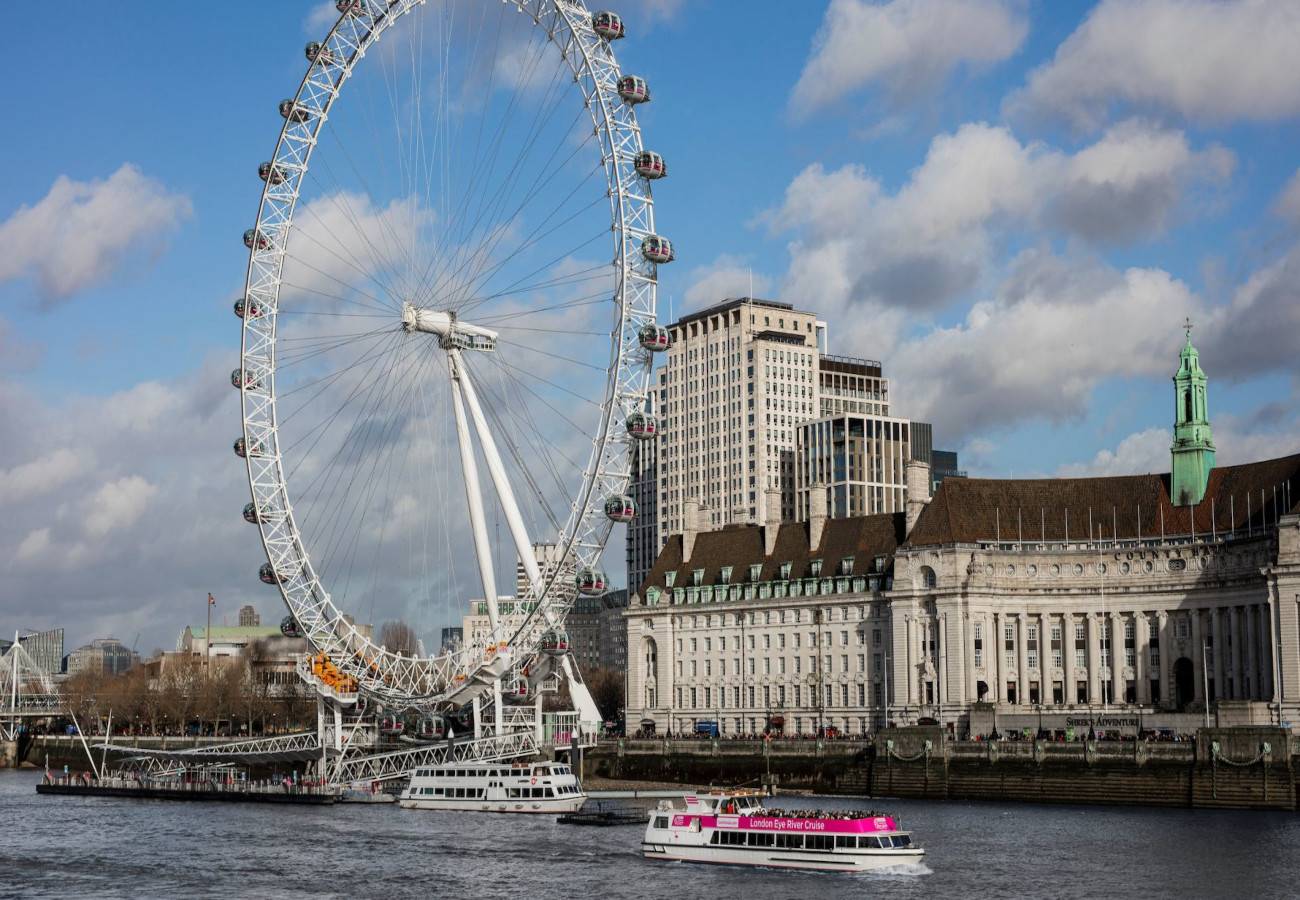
<point x="840" y="814"/>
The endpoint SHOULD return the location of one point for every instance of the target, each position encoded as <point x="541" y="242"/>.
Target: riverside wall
<point x="1239" y="768"/>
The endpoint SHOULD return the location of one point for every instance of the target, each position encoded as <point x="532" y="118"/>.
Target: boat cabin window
<point x="790" y="841"/>
<point x="760" y="839"/>
<point x="902" y="840"/>
<point x="845" y="842"/>
<point x="819" y="842"/>
<point x="661" y="821"/>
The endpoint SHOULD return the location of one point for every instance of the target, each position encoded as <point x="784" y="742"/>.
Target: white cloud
<point x="660" y="10"/>
<point x="42" y="475"/>
<point x="909" y="46"/>
<point x="33" y="545"/>
<point x="1204" y="60"/>
<point x="1139" y="453"/>
<point x="932" y="241"/>
<point x="321" y="19"/>
<point x="1259" y="329"/>
<point x="82" y="232"/>
<point x="1054" y="330"/>
<point x="1288" y="201"/>
<point x="727" y="276"/>
<point x="118" y="504"/>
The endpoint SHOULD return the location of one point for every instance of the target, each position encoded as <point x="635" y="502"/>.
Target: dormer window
<point x="697" y="577"/>
<point x="755" y="571"/>
<point x="880" y="564"/>
<point x="846" y="565"/>
<point x="669" y="579"/>
<point x="785" y="571"/>
<point x="815" y="567"/>
<point x="726" y="574"/>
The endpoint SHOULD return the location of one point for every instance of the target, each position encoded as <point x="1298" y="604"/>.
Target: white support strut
<point x="473" y="494"/>
<point x="523" y="546"/>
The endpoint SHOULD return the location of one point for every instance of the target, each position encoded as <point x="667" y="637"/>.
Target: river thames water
<point x="64" y="847"/>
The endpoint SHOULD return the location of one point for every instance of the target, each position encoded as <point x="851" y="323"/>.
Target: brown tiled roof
<point x="740" y="546"/>
<point x="966" y="510"/>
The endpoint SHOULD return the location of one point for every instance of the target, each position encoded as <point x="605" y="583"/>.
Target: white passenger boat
<point x="733" y="827"/>
<point x="545" y="787"/>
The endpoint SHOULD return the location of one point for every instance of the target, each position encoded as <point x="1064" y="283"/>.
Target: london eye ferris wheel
<point x="447" y="329"/>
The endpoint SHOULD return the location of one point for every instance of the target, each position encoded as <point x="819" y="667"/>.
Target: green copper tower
<point x="1193" y="448"/>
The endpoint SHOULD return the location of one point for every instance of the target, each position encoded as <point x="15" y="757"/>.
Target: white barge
<point x="544" y="787"/>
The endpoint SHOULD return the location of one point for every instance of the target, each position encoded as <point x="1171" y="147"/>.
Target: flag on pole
<point x="212" y="601"/>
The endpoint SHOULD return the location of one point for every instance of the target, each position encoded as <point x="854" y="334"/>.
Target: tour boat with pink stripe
<point x="734" y="828"/>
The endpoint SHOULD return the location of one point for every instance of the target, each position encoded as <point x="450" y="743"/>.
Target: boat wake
<point x="900" y="872"/>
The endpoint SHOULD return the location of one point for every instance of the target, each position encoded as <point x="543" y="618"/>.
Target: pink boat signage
<point x="781" y="823"/>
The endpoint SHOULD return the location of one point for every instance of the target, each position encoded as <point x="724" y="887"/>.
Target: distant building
<point x="225" y="640"/>
<point x="613" y="631"/>
<point x="859" y="459"/>
<point x="44" y="647"/>
<point x="643" y="531"/>
<point x="103" y="656"/>
<point x="476" y="626"/>
<point x="944" y="465"/>
<point x="583" y="626"/>
<point x="452" y="637"/>
<point x="248" y="617"/>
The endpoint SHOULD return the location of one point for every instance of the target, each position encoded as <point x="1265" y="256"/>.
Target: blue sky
<point x="1014" y="204"/>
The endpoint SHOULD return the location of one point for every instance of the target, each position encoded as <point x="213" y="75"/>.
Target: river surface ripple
<point x="64" y="847"/>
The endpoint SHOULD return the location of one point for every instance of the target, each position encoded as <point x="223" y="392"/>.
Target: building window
<point x="785" y="571"/>
<point x="726" y="574"/>
<point x="1081" y="658"/>
<point x="815" y="567"/>
<point x="1182" y="627"/>
<point x="669" y="579"/>
<point x="846" y="565"/>
<point x="755" y="571"/>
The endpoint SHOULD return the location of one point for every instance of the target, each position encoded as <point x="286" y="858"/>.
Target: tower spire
<point x="1193" y="447"/>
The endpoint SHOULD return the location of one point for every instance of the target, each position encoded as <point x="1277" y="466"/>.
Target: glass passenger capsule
<point x="658" y="250"/>
<point x="654" y="337"/>
<point x="268" y="575"/>
<point x="250" y="513"/>
<point x="555" y="642"/>
<point x="592" y="582"/>
<point x="316" y="52"/>
<point x="245" y="380"/>
<point x="634" y="89"/>
<point x="255" y="240"/>
<point x="642" y="426"/>
<point x="247" y="308"/>
<point x="651" y="165"/>
<point x="608" y="25"/>
<point x="293" y="112"/>
<point x="242" y="450"/>
<point x="620" y="508"/>
<point x="270" y="173"/>
<point x="350" y="7"/>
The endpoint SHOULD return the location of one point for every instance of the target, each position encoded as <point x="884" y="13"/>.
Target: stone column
<point x="1264" y="656"/>
<point x="1142" y="658"/>
<point x="1022" y="658"/>
<point x="913" y="662"/>
<point x="1094" y="658"/>
<point x="1236" y="628"/>
<point x="1217" y="659"/>
<point x="1067" y="656"/>
<point x="1252" y="684"/>
<point x="1166" y="633"/>
<point x="941" y="652"/>
<point x="1198" y="679"/>
<point x="1045" y="659"/>
<point x="1117" y="658"/>
<point x="969" y="692"/>
<point x="999" y="689"/>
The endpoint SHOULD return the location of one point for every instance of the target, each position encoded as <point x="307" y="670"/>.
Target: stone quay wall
<point x="1240" y="768"/>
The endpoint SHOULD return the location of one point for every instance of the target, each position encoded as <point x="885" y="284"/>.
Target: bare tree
<point x="606" y="686"/>
<point x="398" y="637"/>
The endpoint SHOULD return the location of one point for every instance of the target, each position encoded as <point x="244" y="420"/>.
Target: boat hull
<point x="544" y="806"/>
<point x="858" y="861"/>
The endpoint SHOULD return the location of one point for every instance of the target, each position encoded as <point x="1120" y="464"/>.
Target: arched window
<point x="928" y="579"/>
<point x="1187" y="406"/>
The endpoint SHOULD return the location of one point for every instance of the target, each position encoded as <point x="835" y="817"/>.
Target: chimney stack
<point x="816" y="515"/>
<point x="771" y="519"/>
<point x="918" y="490"/>
<point x="691" y="529"/>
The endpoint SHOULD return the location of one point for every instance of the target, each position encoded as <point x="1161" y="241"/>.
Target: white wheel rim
<point x="394" y="679"/>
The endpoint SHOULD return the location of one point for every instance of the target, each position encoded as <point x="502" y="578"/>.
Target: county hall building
<point x="992" y="604"/>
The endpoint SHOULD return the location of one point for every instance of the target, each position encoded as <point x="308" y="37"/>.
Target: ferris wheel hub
<point x="451" y="331"/>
